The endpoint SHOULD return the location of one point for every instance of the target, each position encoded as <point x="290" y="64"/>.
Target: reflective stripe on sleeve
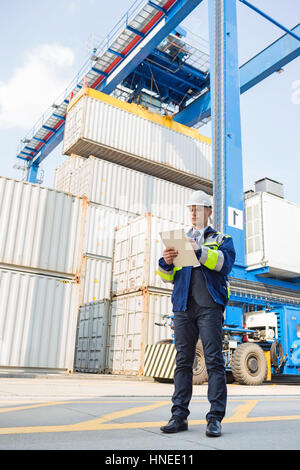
<point x="228" y="289"/>
<point x="212" y="259"/>
<point x="167" y="276"/>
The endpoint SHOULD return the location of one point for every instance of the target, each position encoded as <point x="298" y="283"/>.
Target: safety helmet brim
<point x="189" y="204"/>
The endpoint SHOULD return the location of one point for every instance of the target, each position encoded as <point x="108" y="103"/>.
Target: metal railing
<point x="86" y="67"/>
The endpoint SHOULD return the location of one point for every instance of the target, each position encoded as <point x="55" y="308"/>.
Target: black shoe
<point x="175" y="425"/>
<point x="213" y="428"/>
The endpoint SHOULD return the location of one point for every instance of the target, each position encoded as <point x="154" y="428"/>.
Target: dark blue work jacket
<point x="216" y="256"/>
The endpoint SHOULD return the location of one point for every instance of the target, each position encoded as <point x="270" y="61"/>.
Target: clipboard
<point x="178" y="239"/>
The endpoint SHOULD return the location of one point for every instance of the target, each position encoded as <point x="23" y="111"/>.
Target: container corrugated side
<point x="91" y="339"/>
<point x="38" y="317"/>
<point x="253" y="230"/>
<point x="95" y="280"/>
<point x="101" y="222"/>
<point x="62" y="182"/>
<point x="138" y="247"/>
<point x="94" y="127"/>
<point x="41" y="229"/>
<point x="267" y="219"/>
<point x="63" y="173"/>
<point x="122" y="188"/>
<point x="133" y="318"/>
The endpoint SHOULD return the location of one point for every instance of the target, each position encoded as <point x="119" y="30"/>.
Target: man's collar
<point x="204" y="229"/>
<point x="209" y="229"/>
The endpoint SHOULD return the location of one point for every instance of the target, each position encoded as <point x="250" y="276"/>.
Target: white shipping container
<point x="95" y="280"/>
<point x="63" y="173"/>
<point x="101" y="222"/>
<point x="133" y="318"/>
<point x="100" y="125"/>
<point x="91" y="339"/>
<point x="128" y="190"/>
<point x="138" y="247"/>
<point x="62" y="181"/>
<point x="41" y="229"/>
<point x="38" y="317"/>
<point x="271" y="222"/>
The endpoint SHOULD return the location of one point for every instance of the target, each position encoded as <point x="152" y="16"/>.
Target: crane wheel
<point x="249" y="365"/>
<point x="199" y="368"/>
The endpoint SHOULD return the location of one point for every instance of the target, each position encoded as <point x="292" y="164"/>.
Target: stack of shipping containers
<point x="78" y="263"/>
<point x="101" y="221"/>
<point x="40" y="266"/>
<point x="139" y="297"/>
<point x="139" y="170"/>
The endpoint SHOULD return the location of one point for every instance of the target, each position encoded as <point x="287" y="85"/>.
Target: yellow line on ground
<point x="241" y="411"/>
<point x="54" y="403"/>
<point x="132" y="425"/>
<point x="95" y="423"/>
<point x="27" y="407"/>
<point x="91" y="425"/>
<point x="271" y="418"/>
<point x="101" y="424"/>
<point x="193" y="422"/>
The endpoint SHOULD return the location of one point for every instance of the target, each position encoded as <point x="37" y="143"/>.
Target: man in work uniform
<point x="199" y="298"/>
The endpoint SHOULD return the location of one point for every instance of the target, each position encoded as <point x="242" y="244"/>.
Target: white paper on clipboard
<point x="178" y="239"/>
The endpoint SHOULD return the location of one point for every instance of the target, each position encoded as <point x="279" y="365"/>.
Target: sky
<point x="43" y="45"/>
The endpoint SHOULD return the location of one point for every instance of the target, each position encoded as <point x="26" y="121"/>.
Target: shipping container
<point x="38" y="318"/>
<point x="95" y="280"/>
<point x="63" y="173"/>
<point x="41" y="229"/>
<point x="138" y="247"/>
<point x="133" y="325"/>
<point x="270" y="222"/>
<point x="101" y="222"/>
<point x="127" y="134"/>
<point x="128" y="190"/>
<point x="91" y="338"/>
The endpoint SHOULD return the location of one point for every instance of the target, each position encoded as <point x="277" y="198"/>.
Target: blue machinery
<point x="137" y="55"/>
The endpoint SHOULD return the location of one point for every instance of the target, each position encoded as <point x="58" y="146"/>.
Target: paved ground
<point x="114" y="413"/>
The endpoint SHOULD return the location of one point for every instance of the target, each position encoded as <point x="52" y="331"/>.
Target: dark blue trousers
<point x="207" y="323"/>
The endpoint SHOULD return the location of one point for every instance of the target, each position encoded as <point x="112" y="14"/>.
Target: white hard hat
<point x="199" y="198"/>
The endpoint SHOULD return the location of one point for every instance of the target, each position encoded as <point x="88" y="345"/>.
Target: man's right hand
<point x="169" y="254"/>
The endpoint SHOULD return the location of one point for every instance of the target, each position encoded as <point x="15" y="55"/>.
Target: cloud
<point x="35" y="85"/>
<point x="73" y="6"/>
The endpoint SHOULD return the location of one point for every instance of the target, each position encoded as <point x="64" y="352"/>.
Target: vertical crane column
<point x="226" y="127"/>
<point x="32" y="173"/>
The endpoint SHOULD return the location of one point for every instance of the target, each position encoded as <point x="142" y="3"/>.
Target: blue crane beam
<point x="257" y="10"/>
<point x="265" y="63"/>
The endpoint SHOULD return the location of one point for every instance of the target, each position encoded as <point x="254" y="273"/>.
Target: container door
<point x="116" y="350"/>
<point x="98" y="338"/>
<point x="133" y="334"/>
